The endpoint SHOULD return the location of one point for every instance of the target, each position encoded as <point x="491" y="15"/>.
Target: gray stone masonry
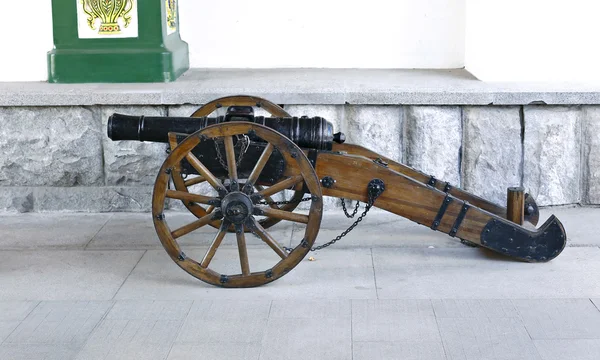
<point x="591" y="154"/>
<point x="492" y="151"/>
<point x="60" y="158"/>
<point x="50" y="146"/>
<point x="378" y="128"/>
<point x="434" y="140"/>
<point x="552" y="154"/>
<point x="131" y="162"/>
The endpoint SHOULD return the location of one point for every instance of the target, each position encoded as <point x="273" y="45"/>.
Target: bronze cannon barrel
<point x="306" y="132"/>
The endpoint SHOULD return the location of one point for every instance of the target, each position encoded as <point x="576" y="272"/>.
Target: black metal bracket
<point x="312" y="157"/>
<point x="432" y="181"/>
<point x="214" y="202"/>
<point x="447" y="187"/>
<point x="181" y="256"/>
<point x="224" y="279"/>
<point x="459" y="219"/>
<point x="327" y="182"/>
<point x="380" y="162"/>
<point x="441" y="211"/>
<point x="269" y="273"/>
<point x="160" y="217"/>
<point x="375" y="188"/>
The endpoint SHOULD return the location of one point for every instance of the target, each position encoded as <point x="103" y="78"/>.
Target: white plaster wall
<point x="269" y="33"/>
<point x="533" y="40"/>
<point x="26" y="37"/>
<point x="318" y="33"/>
<point x="510" y="40"/>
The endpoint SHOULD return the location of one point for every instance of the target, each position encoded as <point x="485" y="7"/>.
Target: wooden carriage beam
<point x="439" y="210"/>
<point x="484" y="204"/>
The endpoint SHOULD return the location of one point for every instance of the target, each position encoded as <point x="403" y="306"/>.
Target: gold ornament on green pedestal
<point x="109" y="12"/>
<point x="171" y="7"/>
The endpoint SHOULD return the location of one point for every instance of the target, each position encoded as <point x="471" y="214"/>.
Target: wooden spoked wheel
<point x="182" y="184"/>
<point x="238" y="204"/>
<point x="241" y="100"/>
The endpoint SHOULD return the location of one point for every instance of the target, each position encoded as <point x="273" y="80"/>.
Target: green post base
<point x="118" y="65"/>
<point x="154" y="55"/>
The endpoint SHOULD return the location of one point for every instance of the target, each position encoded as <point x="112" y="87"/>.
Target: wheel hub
<point x="237" y="207"/>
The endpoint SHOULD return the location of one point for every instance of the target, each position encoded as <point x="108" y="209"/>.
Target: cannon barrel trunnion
<point x="231" y="171"/>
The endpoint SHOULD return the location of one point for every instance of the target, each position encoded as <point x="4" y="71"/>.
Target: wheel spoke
<point x="284" y="215"/>
<point x="260" y="165"/>
<point x="182" y="195"/>
<point x="193" y="226"/>
<point x="194" y="181"/>
<point x="280" y="186"/>
<point x="231" y="165"/>
<point x="210" y="209"/>
<point x="215" y="245"/>
<point x="216" y="183"/>
<point x="268" y="199"/>
<point x="264" y="235"/>
<point x="241" y="240"/>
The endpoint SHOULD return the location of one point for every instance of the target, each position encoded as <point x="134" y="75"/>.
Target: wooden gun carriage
<point x="247" y="160"/>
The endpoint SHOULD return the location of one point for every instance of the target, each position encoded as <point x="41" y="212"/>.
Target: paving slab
<point x="216" y="351"/>
<point x="131" y="339"/>
<point x="16" y="310"/>
<point x="11" y="315"/>
<point x="482" y="338"/>
<point x="149" y="310"/>
<point x="307" y="339"/>
<point x="474" y="308"/>
<point x="40" y="231"/>
<point x="547" y="319"/>
<point x="310" y="309"/>
<point x="596" y="302"/>
<point x="581" y="349"/>
<point x="473" y="273"/>
<point x="6" y="328"/>
<point x="136" y="231"/>
<point x="137" y="330"/>
<point x="393" y="320"/>
<point x="335" y="274"/>
<point x="60" y="322"/>
<point x="39" y="351"/>
<point x="229" y="309"/>
<point x="304" y="328"/>
<point x="399" y="350"/>
<point x="225" y="322"/>
<point x="64" y="274"/>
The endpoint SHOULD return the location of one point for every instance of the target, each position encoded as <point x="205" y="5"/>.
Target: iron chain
<point x="368" y="205"/>
<point x="346" y="211"/>
<point x="244" y="145"/>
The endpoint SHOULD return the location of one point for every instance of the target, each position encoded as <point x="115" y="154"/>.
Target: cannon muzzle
<point x="314" y="132"/>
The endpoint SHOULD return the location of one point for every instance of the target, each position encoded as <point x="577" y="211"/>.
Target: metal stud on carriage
<point x="249" y="160"/>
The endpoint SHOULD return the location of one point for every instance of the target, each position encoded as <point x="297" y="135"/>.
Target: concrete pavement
<point x="100" y="286"/>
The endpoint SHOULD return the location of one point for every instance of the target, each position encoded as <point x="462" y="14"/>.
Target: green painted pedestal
<point x="139" y="44"/>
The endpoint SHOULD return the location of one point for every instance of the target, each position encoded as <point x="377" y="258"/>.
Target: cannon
<point x="245" y="162"/>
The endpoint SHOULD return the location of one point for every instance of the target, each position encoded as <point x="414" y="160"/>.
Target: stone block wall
<point x="60" y="159"/>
